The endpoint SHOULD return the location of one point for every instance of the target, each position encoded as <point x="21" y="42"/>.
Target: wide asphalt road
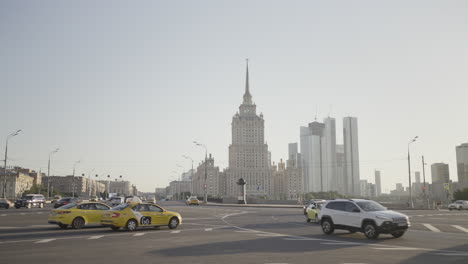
<point x="217" y="234"/>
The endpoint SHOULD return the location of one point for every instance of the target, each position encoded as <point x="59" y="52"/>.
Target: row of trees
<point x="461" y="194"/>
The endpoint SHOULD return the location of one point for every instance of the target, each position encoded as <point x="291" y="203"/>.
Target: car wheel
<point x="7" y="206"/>
<point x="308" y="220"/>
<point x="131" y="225"/>
<point x="78" y="223"/>
<point x="327" y="226"/>
<point x="41" y="205"/>
<point x="370" y="230"/>
<point x="17" y="207"/>
<point x="29" y="206"/>
<point x="115" y="228"/>
<point x="63" y="226"/>
<point x="450" y="209"/>
<point x="459" y="208"/>
<point x="398" y="234"/>
<point x="173" y="223"/>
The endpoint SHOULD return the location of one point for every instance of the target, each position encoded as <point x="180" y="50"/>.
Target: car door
<point x="84" y="211"/>
<point x="351" y="215"/>
<point x="95" y="212"/>
<point x="160" y="217"/>
<point x="143" y="215"/>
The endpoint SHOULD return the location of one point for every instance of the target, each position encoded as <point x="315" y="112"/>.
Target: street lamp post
<point x="191" y="172"/>
<point x="73" y="178"/>
<point x="409" y="172"/>
<point x="205" y="196"/>
<point x="108" y="186"/>
<point x="48" y="172"/>
<point x="5" y="164"/>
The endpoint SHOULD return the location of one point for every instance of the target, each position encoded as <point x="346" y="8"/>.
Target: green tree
<point x="461" y="194"/>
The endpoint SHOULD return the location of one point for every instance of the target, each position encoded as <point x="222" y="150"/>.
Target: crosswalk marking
<point x="45" y="240"/>
<point x="175" y="232"/>
<point x="461" y="228"/>
<point x="3" y="215"/>
<point x="208" y="229"/>
<point x="139" y="234"/>
<point x="432" y="228"/>
<point x="95" y="237"/>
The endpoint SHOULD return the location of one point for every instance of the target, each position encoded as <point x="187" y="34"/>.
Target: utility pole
<point x="48" y="172"/>
<point x="409" y="173"/>
<point x="424" y="183"/>
<point x="5" y="164"/>
<point x="73" y="179"/>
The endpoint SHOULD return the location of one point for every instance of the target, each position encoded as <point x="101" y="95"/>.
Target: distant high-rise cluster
<point x="326" y="165"/>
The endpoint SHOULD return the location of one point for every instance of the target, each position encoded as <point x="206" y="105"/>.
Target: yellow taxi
<point x="78" y="215"/>
<point x="192" y="201"/>
<point x="133" y="215"/>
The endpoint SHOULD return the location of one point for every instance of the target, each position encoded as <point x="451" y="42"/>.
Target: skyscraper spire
<point x="247" y="95"/>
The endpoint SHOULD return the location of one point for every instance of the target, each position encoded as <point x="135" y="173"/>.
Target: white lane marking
<point x="175" y="232"/>
<point x="461" y="228"/>
<point x="208" y="229"/>
<point x="39" y="213"/>
<point x="246" y="232"/>
<point x="185" y="219"/>
<point x="461" y="254"/>
<point x="8" y="227"/>
<point x="298" y="239"/>
<point x="432" y="228"/>
<point x="139" y="234"/>
<point x="270" y="235"/>
<point x="400" y="248"/>
<point x="3" y="215"/>
<point x="40" y="226"/>
<point x="95" y="237"/>
<point x="45" y="240"/>
<point x="22" y="213"/>
<point x="339" y="243"/>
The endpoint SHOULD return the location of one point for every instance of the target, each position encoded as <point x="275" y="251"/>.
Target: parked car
<point x="5" y="203"/>
<point x="114" y="201"/>
<point x="65" y="201"/>
<point x="458" y="205"/>
<point x="56" y="198"/>
<point x="359" y="215"/>
<point x="132" y="216"/>
<point x="313" y="210"/>
<point x="192" y="201"/>
<point x="78" y="215"/>
<point x="132" y="199"/>
<point x="312" y="201"/>
<point x="30" y="200"/>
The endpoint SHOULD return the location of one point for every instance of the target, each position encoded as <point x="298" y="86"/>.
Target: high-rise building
<point x="462" y="164"/>
<point x="329" y="149"/>
<point x="340" y="169"/>
<point x="248" y="153"/>
<point x="351" y="150"/>
<point x="440" y="173"/>
<point x="378" y="183"/>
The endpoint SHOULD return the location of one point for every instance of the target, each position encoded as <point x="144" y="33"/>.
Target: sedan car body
<point x="313" y="211"/>
<point x="78" y="215"/>
<point x="192" y="201"/>
<point x="131" y="216"/>
<point x="65" y="201"/>
<point x="458" y="205"/>
<point x="30" y="200"/>
<point x="5" y="203"/>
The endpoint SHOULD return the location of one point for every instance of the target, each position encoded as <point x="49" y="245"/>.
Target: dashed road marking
<point x="454" y="254"/>
<point x="3" y="215"/>
<point x="246" y="231"/>
<point x="208" y="229"/>
<point x="461" y="228"/>
<point x="175" y="232"/>
<point x="399" y="248"/>
<point x="340" y="243"/>
<point x="139" y="234"/>
<point x="432" y="228"/>
<point x="22" y="213"/>
<point x="95" y="237"/>
<point x="270" y="235"/>
<point x="45" y="240"/>
<point x="298" y="239"/>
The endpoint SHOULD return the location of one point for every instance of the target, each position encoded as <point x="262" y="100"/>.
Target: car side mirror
<point x="356" y="210"/>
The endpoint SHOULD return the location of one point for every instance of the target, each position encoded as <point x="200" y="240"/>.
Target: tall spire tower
<point x="247" y="95"/>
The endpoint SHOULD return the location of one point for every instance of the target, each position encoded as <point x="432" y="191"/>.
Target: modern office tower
<point x="417" y="177"/>
<point x="248" y="153"/>
<point x="329" y="134"/>
<point x="340" y="169"/>
<point x="378" y="183"/>
<point x="313" y="158"/>
<point x="462" y="164"/>
<point x="440" y="173"/>
<point x="351" y="149"/>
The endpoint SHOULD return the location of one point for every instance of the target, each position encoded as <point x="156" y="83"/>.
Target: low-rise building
<point x="14" y="183"/>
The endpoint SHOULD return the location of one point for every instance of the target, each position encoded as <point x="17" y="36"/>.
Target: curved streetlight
<point x="409" y="172"/>
<point x="191" y="173"/>
<point x="205" y="196"/>
<point x="5" y="161"/>
<point x="48" y="171"/>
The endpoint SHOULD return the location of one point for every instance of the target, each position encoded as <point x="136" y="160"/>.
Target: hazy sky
<point x="126" y="86"/>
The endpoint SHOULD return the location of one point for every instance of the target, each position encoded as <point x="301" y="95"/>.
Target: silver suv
<point x="458" y="205"/>
<point x="359" y="215"/>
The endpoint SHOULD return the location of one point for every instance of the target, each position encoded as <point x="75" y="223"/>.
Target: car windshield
<point x="28" y="197"/>
<point x="68" y="206"/>
<point x="459" y="202"/>
<point x="120" y="207"/>
<point x="65" y="200"/>
<point x="371" y="206"/>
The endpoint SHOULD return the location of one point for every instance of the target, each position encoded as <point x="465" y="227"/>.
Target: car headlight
<point x="383" y="218"/>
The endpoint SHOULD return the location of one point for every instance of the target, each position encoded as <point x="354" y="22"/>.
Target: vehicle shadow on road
<point x="286" y="244"/>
